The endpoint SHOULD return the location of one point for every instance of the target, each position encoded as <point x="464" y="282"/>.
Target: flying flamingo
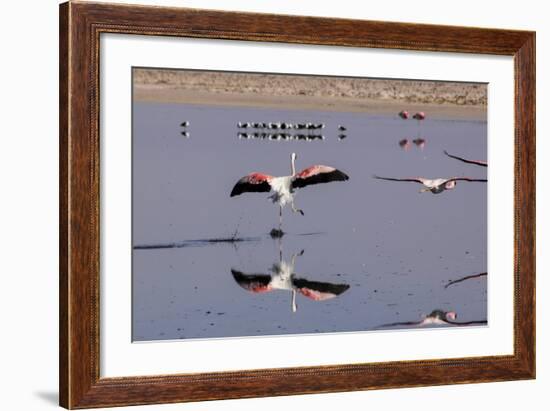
<point x="464" y="160"/>
<point x="283" y="277"/>
<point x="435" y="186"/>
<point x="437" y="317"/>
<point x="404" y="114"/>
<point x="284" y="187"/>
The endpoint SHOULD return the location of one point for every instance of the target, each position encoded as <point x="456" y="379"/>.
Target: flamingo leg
<point x="280" y="218"/>
<point x="296" y="210"/>
<point x="293" y="259"/>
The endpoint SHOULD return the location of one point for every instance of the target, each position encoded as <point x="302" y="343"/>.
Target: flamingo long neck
<point x="292" y="165"/>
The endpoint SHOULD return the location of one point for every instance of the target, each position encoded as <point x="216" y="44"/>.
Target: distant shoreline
<point x="437" y="99"/>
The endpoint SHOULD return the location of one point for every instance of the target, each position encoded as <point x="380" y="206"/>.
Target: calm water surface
<point x="366" y="253"/>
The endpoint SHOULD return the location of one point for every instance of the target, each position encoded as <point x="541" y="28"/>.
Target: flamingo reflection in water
<point x="404" y="144"/>
<point x="480" y="163"/>
<point x="283" y="277"/>
<point x="436" y="317"/>
<point x="468" y="277"/>
<point x="420" y="142"/>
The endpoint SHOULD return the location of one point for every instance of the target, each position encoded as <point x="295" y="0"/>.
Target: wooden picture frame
<point x="80" y="27"/>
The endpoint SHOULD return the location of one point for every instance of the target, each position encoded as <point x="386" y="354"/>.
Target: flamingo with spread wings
<point x="436" y="185"/>
<point x="284" y="187"/>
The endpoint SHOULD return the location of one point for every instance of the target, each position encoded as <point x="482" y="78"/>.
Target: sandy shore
<point x="439" y="99"/>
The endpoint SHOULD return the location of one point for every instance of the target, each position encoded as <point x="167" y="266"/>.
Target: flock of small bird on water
<point x="284" y="131"/>
<point x="277" y="131"/>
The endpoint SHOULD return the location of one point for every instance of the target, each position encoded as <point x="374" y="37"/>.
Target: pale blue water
<point x="394" y="247"/>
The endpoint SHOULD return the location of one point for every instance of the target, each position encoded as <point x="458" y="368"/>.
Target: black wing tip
<point x="341" y="175"/>
<point x="243" y="186"/>
<point x="466" y="323"/>
<point x="405" y="323"/>
<point x="337" y="175"/>
<point x="239" y="276"/>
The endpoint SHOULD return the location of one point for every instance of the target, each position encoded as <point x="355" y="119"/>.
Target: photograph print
<point x="280" y="204"/>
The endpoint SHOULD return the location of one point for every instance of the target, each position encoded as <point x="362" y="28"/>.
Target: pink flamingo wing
<point x="317" y="169"/>
<point x="260" y="288"/>
<point x="257" y="178"/>
<point x="318" y="174"/>
<point x="316" y="295"/>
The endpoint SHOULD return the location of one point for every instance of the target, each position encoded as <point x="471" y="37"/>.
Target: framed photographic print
<point x="258" y="205"/>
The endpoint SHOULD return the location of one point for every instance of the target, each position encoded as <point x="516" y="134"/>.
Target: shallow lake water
<point x="367" y="252"/>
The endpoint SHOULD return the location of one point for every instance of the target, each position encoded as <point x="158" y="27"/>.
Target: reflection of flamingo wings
<point x="477" y="322"/>
<point x="465" y="160"/>
<point x="436" y="317"/>
<point x="256" y="283"/>
<point x="283" y="278"/>
<point x="318" y="291"/>
<point x="314" y="290"/>
<point x="468" y="277"/>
